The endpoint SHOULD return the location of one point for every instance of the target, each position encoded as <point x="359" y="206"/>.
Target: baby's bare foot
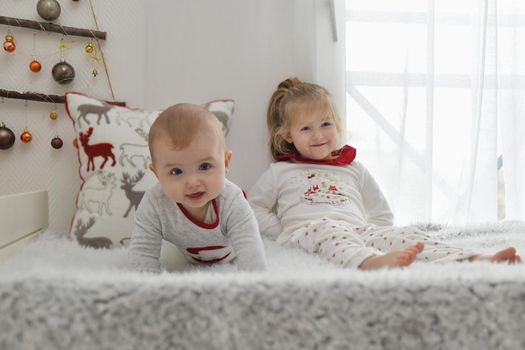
<point x="398" y="258"/>
<point x="508" y="255"/>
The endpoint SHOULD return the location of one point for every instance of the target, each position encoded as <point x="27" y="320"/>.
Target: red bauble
<point x="35" y="66"/>
<point x="9" y="46"/>
<point x="26" y="136"/>
<point x="57" y="142"/>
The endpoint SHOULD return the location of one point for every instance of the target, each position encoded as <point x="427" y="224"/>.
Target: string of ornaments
<point x="56" y="142"/>
<point x="7" y="136"/>
<point x="62" y="72"/>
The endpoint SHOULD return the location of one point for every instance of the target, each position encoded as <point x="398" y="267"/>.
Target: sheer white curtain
<point x="328" y="46"/>
<point x="435" y="105"/>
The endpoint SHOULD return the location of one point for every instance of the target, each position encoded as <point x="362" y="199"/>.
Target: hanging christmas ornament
<point x="35" y="66"/>
<point x="7" y="137"/>
<point x="92" y="52"/>
<point x="57" y="142"/>
<point x="63" y="72"/>
<point x="26" y="136"/>
<point x="48" y="9"/>
<point x="9" y="43"/>
<point x="89" y="47"/>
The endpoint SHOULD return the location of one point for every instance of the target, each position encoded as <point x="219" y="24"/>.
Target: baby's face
<point x="192" y="176"/>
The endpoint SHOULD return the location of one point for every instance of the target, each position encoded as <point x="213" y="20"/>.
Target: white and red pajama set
<point x="335" y="208"/>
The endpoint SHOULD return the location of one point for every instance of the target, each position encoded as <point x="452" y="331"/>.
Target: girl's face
<point x="313" y="133"/>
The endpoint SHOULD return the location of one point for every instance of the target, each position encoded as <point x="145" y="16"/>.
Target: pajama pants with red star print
<point x="348" y="245"/>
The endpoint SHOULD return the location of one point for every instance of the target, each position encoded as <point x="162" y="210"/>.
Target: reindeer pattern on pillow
<point x="114" y="158"/>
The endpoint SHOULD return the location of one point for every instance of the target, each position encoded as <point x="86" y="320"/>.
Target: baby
<point x="193" y="206"/>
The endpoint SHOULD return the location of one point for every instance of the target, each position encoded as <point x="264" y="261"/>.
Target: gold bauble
<point x="89" y="48"/>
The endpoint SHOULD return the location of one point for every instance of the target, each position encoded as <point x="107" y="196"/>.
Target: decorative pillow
<point x="113" y="155"/>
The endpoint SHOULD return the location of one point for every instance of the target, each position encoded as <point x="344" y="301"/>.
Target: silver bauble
<point x="7" y="137"/>
<point x="63" y="72"/>
<point x="48" y="9"/>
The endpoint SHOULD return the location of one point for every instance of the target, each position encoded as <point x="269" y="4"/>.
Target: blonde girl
<point x="318" y="197"/>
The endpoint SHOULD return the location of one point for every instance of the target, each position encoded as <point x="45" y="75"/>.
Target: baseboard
<point x="14" y="247"/>
<point x="21" y="215"/>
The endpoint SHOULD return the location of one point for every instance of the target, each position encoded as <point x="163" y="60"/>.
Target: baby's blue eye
<point x="205" y="166"/>
<point x="326" y="124"/>
<point x="305" y="128"/>
<point x="175" y="171"/>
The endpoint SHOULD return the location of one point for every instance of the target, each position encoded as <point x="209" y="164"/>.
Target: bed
<point x="55" y="294"/>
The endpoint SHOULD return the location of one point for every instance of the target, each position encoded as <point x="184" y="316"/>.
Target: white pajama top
<point x="290" y="194"/>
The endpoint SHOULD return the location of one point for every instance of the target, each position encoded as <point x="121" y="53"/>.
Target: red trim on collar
<point x="345" y="156"/>
<point x="202" y="223"/>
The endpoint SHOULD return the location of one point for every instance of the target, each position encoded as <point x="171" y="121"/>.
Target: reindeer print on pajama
<point x="337" y="212"/>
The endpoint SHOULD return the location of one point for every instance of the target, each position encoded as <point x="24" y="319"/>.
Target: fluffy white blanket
<point x="57" y="295"/>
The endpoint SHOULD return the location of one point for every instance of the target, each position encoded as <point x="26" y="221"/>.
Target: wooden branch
<point x="51" y="27"/>
<point x="34" y="96"/>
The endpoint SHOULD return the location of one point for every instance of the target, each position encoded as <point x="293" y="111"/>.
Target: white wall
<point x="159" y="53"/>
<point x="37" y="166"/>
<point x="201" y="50"/>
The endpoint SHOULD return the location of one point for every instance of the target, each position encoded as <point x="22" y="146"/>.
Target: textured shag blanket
<point x="56" y="295"/>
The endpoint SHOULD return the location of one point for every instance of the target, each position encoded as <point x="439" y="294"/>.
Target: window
<point x="432" y="87"/>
